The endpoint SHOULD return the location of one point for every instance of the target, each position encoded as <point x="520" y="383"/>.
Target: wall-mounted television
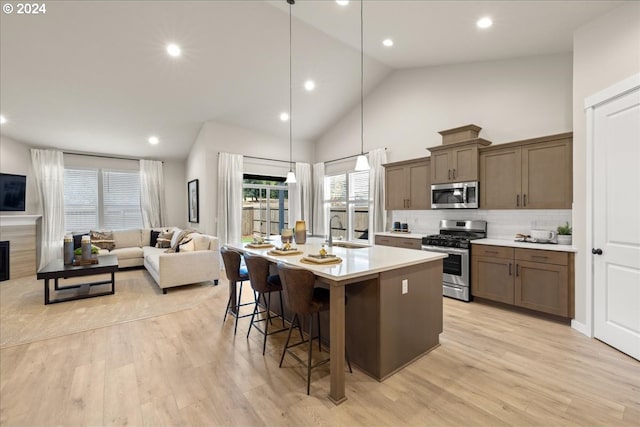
<point x="13" y="189"/>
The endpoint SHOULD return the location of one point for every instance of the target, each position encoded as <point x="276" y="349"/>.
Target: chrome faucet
<point x="330" y="240"/>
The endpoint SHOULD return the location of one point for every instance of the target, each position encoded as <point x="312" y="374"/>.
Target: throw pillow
<point x="154" y="237"/>
<point x="164" y="240"/>
<point x="201" y="242"/>
<point x="182" y="238"/>
<point x="189" y="246"/>
<point x="103" y="239"/>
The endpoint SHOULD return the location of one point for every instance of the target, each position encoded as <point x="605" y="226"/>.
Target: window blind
<point x="121" y="200"/>
<point x="81" y="199"/>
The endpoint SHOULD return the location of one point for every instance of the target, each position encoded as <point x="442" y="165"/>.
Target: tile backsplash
<point x="501" y="224"/>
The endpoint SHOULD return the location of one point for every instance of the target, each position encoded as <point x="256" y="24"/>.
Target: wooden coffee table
<point x="56" y="270"/>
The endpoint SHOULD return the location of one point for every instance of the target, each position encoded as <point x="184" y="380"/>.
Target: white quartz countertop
<point x="355" y="262"/>
<point x="526" y="245"/>
<point x="397" y="234"/>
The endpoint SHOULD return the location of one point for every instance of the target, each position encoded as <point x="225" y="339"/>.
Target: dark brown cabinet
<point x="407" y="185"/>
<point x="531" y="278"/>
<point x="398" y="242"/>
<point x="456" y="162"/>
<point x="531" y="174"/>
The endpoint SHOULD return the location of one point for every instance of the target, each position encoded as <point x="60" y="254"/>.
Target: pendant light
<point x="291" y="177"/>
<point x="362" y="164"/>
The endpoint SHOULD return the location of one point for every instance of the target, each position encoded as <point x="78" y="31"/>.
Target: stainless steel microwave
<point x="459" y="195"/>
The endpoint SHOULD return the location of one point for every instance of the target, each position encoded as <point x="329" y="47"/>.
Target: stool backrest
<point x="297" y="285"/>
<point x="258" y="271"/>
<point x="231" y="260"/>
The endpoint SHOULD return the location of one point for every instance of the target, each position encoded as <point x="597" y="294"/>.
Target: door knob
<point x="596" y="251"/>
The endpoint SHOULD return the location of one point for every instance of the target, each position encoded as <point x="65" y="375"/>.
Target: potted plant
<point x="564" y="234"/>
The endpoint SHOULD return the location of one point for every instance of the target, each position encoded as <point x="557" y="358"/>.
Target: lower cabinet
<point x="531" y="278"/>
<point x="399" y="242"/>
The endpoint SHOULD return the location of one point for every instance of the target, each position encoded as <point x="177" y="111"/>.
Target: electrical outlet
<point x="405" y="286"/>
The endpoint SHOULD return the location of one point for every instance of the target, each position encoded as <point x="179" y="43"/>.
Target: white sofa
<point x="201" y="263"/>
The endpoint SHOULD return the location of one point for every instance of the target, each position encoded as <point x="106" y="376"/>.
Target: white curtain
<point x="377" y="213"/>
<point x="48" y="166"/>
<point x="300" y="196"/>
<point x="229" y="197"/>
<point x="152" y="199"/>
<point x="318" y="217"/>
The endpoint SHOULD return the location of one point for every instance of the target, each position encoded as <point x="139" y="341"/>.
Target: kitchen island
<point x="394" y="309"/>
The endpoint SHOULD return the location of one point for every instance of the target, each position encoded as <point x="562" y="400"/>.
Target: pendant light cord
<point x="361" y="80"/>
<point x="291" y="2"/>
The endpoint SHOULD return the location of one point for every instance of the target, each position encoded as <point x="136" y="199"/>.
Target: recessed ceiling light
<point x="3" y="120"/>
<point x="342" y="2"/>
<point x="173" y="50"/>
<point x="284" y="116"/>
<point x="485" y="22"/>
<point x="309" y="85"/>
<point x="387" y="42"/>
<point x="153" y="140"/>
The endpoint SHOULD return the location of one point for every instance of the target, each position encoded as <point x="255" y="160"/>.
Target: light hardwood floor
<point x="494" y="367"/>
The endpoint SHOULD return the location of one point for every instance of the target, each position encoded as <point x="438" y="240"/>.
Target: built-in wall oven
<point x="454" y="239"/>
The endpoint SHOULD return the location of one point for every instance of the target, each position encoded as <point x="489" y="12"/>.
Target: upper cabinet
<point x="531" y="174"/>
<point x="457" y="162"/>
<point x="407" y="185"/>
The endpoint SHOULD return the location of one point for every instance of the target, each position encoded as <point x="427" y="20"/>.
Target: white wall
<point x="606" y="51"/>
<point x="15" y="158"/>
<point x="511" y="100"/>
<point x="214" y="137"/>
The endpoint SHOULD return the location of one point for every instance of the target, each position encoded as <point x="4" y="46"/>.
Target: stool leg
<point x="253" y="315"/>
<point x="309" y="356"/>
<point x="228" y="303"/>
<point x="286" y="344"/>
<point x="281" y="309"/>
<point x="235" y="329"/>
<point x="266" y="324"/>
<point x="319" y="334"/>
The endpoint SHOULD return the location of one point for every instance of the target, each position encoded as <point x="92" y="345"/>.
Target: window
<point x="348" y="205"/>
<point x="101" y="198"/>
<point x="265" y="206"/>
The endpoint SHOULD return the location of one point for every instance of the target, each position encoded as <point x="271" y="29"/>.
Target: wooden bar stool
<point x="304" y="299"/>
<point x="263" y="285"/>
<point x="236" y="274"/>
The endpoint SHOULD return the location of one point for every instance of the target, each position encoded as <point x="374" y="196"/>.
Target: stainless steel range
<point x="454" y="239"/>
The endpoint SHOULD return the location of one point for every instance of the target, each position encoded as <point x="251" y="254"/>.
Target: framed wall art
<point x="194" y="202"/>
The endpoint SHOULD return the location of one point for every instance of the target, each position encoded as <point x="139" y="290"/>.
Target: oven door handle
<point x="444" y="249"/>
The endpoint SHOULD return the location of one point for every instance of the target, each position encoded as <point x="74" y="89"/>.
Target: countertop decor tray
<point x="317" y="259"/>
<point x="281" y="252"/>
<point x="78" y="262"/>
<point x="259" y="245"/>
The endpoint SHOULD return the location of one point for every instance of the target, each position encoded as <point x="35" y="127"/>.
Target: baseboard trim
<point x="580" y="327"/>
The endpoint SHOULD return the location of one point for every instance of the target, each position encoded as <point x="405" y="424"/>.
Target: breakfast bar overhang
<point x="395" y="304"/>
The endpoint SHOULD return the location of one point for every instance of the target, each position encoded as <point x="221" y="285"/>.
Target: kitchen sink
<point x="349" y="245"/>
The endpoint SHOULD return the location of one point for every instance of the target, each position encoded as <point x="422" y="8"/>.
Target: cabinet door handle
<point x="517" y="200"/>
<point x="517" y="270"/>
<point x="408" y="203"/>
<point x="454" y="174"/>
<point x="509" y="269"/>
<point x="524" y="200"/>
<point x="449" y="173"/>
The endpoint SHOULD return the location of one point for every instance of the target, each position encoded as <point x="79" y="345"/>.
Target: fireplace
<point x="4" y="261"/>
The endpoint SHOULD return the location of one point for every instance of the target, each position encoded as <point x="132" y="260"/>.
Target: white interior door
<point x="616" y="222"/>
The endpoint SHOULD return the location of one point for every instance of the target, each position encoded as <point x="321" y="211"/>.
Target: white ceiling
<point x="94" y="77"/>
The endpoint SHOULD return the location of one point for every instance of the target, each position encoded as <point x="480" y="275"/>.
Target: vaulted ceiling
<point x="94" y="76"/>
